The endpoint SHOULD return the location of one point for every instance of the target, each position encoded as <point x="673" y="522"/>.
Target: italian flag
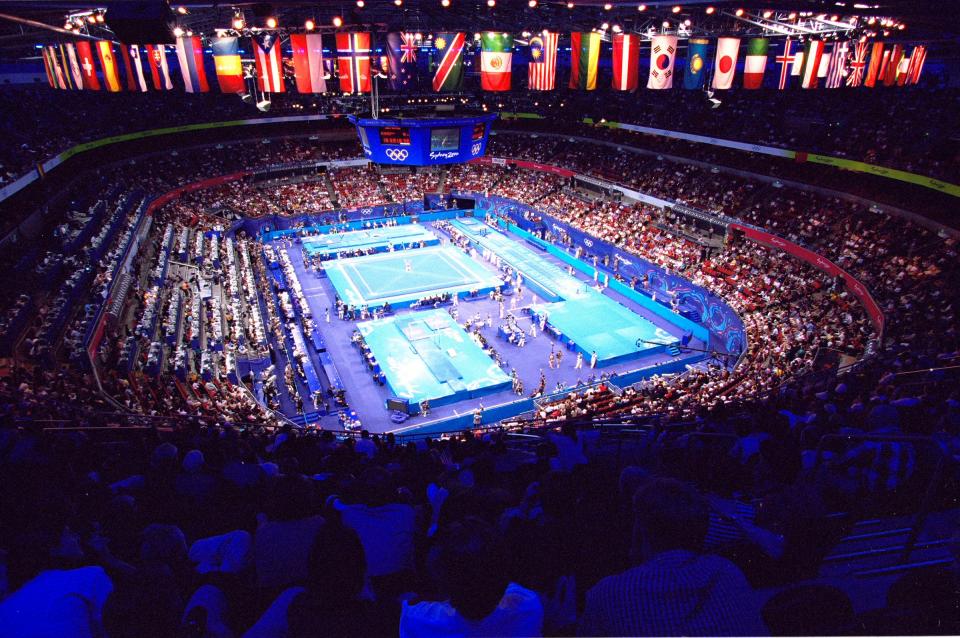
<point x="584" y="56"/>
<point x="495" y="58"/>
<point x="755" y="63"/>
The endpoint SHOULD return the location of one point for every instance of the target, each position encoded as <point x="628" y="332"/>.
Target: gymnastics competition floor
<point x="373" y="280"/>
<point x="428" y="355"/>
<point x="378" y="239"/>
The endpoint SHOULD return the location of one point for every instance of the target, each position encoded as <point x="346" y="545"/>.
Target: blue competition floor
<point x="592" y="320"/>
<point x="373" y="280"/>
<point x="378" y="239"/>
<point x="427" y="355"/>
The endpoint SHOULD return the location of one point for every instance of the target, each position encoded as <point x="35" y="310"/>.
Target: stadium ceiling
<point x="26" y="23"/>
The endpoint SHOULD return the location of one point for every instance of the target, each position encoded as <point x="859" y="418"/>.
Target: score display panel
<point x="424" y="141"/>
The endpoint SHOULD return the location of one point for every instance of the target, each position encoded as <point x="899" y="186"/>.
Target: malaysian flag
<point x="858" y="64"/>
<point x="542" y="71"/>
<point x="838" y="65"/>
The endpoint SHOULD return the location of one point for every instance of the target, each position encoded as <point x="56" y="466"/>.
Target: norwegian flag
<point x="785" y="61"/>
<point x="858" y="64"/>
<point x="838" y="65"/>
<point x="353" y="62"/>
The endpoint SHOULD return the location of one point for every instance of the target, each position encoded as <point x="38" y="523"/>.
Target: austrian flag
<point x="626" y="62"/>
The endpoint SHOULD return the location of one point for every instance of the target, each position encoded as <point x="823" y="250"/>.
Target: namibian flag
<point x="226" y="60"/>
<point x="190" y="55"/>
<point x="449" y="73"/>
<point x="584" y="56"/>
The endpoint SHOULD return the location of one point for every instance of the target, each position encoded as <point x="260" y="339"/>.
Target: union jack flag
<point x="858" y="64"/>
<point x="408" y="46"/>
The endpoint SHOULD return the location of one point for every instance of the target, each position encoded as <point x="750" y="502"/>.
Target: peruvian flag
<point x="353" y="62"/>
<point x="725" y="64"/>
<point x="626" y="62"/>
<point x="755" y="63"/>
<point x="269" y="60"/>
<point x="663" y="54"/>
<point x="90" y="80"/>
<point x="308" y="62"/>
<point x="496" y="57"/>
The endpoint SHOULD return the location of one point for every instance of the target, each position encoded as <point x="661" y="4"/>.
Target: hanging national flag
<point x="268" y="57"/>
<point x="60" y="55"/>
<point x="111" y="74"/>
<point x="858" y="64"/>
<point x="876" y="59"/>
<point x="725" y="64"/>
<point x="73" y="63"/>
<point x="893" y="64"/>
<point x="824" y="65"/>
<point x="785" y="61"/>
<point x="626" y="62"/>
<point x="902" y="70"/>
<point x="696" y="63"/>
<point x="812" y="53"/>
<point x="60" y="73"/>
<point x="190" y="55"/>
<point x="755" y="64"/>
<point x="48" y="68"/>
<point x="90" y="80"/>
<point x="584" y="58"/>
<point x="128" y="67"/>
<point x="137" y="59"/>
<point x="496" y="58"/>
<point x="159" y="69"/>
<point x="797" y="64"/>
<point x="917" y="58"/>
<point x="70" y="66"/>
<point x="542" y="69"/>
<point x="308" y="60"/>
<point x="448" y="75"/>
<point x="401" y="60"/>
<point x="58" y="80"/>
<point x="838" y="65"/>
<point x="229" y="68"/>
<point x="353" y="62"/>
<point x="663" y="55"/>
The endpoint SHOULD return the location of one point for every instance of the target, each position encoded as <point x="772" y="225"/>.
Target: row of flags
<point x="73" y="66"/>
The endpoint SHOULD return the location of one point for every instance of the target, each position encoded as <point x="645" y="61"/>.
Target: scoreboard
<point x="423" y="141"/>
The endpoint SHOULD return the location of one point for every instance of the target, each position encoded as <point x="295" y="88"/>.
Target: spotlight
<point x="309" y="25"/>
<point x="767" y="14"/>
<point x="607" y="6"/>
<point x="91" y="19"/>
<point x="834" y="18"/>
<point x="792" y="16"/>
<point x="444" y="3"/>
<point x="710" y="11"/>
<point x="361" y="3"/>
<point x="491" y="3"/>
<point x="337" y="21"/>
<point x="569" y="5"/>
<point x="666" y="24"/>
<point x="641" y="7"/>
<point x="177" y="32"/>
<point x="687" y="22"/>
<point x="68" y="26"/>
<point x="99" y="17"/>
<point x="182" y="10"/>
<point x="901" y="26"/>
<point x="676" y="9"/>
<point x="739" y="12"/>
<point x="399" y="3"/>
<point x="271" y="23"/>
<point x="532" y="4"/>
<point x="616" y="28"/>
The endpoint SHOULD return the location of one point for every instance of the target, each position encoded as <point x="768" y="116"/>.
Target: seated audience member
<point x="809" y="610"/>
<point x="674" y="590"/>
<point x="479" y="599"/>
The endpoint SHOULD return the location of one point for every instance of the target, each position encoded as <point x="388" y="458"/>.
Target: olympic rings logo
<point x="397" y="154"/>
<point x="475" y="149"/>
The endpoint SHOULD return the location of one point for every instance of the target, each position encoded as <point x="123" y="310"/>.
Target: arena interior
<point x="479" y="318"/>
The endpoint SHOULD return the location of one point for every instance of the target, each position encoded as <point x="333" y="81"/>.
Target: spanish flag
<point x="111" y="74"/>
<point x="584" y="56"/>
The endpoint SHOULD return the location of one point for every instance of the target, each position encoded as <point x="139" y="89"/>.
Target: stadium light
<point x="532" y="4"/>
<point x="337" y="21"/>
<point x="491" y="3"/>
<point x="739" y="12"/>
<point x="361" y="4"/>
<point x="445" y="3"/>
<point x="710" y="10"/>
<point x="641" y="7"/>
<point x="271" y="22"/>
<point x="676" y="8"/>
<point x="569" y="5"/>
<point x="177" y="32"/>
<point x="309" y="25"/>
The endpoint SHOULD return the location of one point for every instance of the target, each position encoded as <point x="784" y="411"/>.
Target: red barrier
<point x="169" y="196"/>
<point x="544" y="168"/>
<point x="820" y="263"/>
